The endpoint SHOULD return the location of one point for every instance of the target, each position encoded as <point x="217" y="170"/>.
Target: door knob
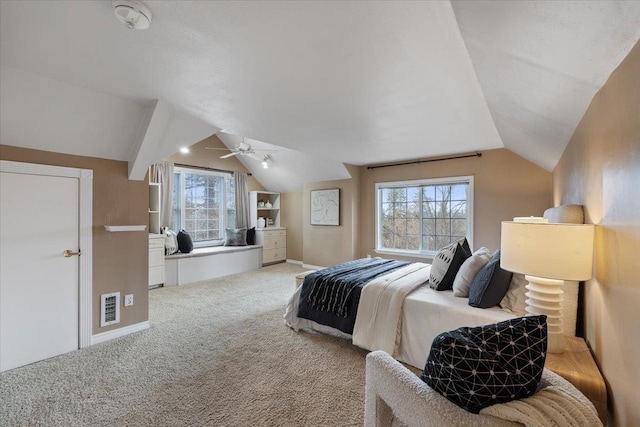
<point x="69" y="253"/>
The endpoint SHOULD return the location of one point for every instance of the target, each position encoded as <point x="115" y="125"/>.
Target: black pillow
<point x="251" y="236"/>
<point x="481" y="366"/>
<point x="185" y="244"/>
<point x="490" y="284"/>
<point x="447" y="263"/>
<point x="236" y="237"/>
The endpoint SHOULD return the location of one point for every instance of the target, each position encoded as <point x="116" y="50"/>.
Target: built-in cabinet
<point x="156" y="240"/>
<point x="265" y="205"/>
<point x="274" y="244"/>
<point x="156" y="260"/>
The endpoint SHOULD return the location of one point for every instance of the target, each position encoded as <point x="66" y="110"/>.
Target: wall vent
<point x="109" y="309"/>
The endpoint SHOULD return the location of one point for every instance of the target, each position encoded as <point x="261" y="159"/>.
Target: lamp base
<point x="545" y="297"/>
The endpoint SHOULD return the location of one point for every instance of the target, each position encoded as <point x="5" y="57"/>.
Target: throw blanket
<point x="331" y="296"/>
<point x="553" y="406"/>
<point x="379" y="321"/>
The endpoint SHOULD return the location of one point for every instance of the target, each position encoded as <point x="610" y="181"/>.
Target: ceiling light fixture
<point x="184" y="150"/>
<point x="133" y="14"/>
<point x="265" y="161"/>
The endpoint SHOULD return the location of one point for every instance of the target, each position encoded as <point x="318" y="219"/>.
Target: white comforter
<point x="423" y="314"/>
<point x="378" y="321"/>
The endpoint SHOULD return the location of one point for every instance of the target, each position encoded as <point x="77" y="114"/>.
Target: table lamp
<point x="547" y="254"/>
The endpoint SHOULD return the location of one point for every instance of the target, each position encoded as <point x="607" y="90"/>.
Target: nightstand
<point x="577" y="366"/>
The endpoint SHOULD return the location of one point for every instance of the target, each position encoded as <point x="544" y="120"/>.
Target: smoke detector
<point x="133" y="14"/>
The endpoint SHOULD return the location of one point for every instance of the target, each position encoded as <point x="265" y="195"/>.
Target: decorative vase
<point x="261" y="222"/>
<point x="268" y="205"/>
<point x="260" y="204"/>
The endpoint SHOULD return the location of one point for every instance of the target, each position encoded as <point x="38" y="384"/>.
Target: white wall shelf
<point x="121" y="228"/>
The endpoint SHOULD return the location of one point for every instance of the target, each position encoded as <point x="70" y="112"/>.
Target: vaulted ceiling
<point x="352" y="82"/>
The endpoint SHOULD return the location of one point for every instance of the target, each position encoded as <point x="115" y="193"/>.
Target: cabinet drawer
<point x="156" y="243"/>
<point x="273" y="255"/>
<point x="271" y="242"/>
<point x="156" y="275"/>
<point x="156" y="257"/>
<point x="273" y="233"/>
<point x="279" y="233"/>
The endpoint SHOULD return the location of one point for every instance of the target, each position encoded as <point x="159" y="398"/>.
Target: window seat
<point x="211" y="262"/>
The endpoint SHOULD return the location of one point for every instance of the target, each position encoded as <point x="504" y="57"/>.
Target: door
<point x="39" y="289"/>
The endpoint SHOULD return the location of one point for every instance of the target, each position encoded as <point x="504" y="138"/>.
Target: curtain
<point x="163" y="173"/>
<point x="242" y="200"/>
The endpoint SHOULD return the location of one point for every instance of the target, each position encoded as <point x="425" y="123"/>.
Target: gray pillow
<point x="469" y="270"/>
<point x="446" y="264"/>
<point x="236" y="237"/>
<point x="490" y="284"/>
<point x="515" y="299"/>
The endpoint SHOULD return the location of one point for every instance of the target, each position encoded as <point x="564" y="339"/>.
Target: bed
<point x="412" y="316"/>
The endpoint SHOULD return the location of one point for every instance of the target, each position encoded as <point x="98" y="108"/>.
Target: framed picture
<point x="325" y="207"/>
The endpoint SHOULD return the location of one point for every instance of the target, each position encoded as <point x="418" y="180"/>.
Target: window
<point x="203" y="204"/>
<point x="421" y="217"/>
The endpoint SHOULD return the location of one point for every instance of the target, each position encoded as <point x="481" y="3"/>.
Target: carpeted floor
<point x="217" y="354"/>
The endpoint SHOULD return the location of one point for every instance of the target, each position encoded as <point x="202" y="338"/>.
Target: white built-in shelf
<point x="154" y="208"/>
<point x="272" y="213"/>
<point x="118" y="228"/>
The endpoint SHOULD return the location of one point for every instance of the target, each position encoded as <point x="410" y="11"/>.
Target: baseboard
<point x="293" y="261"/>
<point x="312" y="267"/>
<point x="120" y="332"/>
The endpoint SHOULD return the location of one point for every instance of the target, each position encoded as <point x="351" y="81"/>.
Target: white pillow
<point x="468" y="271"/>
<point x="515" y="299"/>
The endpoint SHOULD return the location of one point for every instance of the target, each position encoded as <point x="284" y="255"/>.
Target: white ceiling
<point x="540" y="63"/>
<point x="354" y="82"/>
<point x="288" y="168"/>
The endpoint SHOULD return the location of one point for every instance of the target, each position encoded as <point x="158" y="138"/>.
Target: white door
<point x="38" y="286"/>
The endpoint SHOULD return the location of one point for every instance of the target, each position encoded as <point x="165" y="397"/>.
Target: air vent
<point x="109" y="309"/>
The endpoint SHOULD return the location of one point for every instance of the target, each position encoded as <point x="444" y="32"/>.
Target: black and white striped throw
<point x="331" y="287"/>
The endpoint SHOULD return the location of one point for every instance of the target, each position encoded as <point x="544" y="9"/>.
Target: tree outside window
<point x="203" y="204"/>
<point x="423" y="216"/>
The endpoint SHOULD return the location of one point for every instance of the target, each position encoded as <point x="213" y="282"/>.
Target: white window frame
<point x="468" y="179"/>
<point x="195" y="171"/>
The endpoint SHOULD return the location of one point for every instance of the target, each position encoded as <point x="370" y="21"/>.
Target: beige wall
<point x="200" y="156"/>
<point x="600" y="168"/>
<point x="505" y="185"/>
<point x="291" y="217"/>
<point x="120" y="260"/>
<point x="325" y="245"/>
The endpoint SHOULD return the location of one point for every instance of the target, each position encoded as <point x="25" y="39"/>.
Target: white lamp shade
<point x="554" y="251"/>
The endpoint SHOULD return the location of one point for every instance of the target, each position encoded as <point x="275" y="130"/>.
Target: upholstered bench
<point x="394" y="395"/>
<point x="209" y="263"/>
<point x="300" y="277"/>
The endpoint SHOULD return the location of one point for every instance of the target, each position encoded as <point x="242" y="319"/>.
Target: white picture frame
<point x="325" y="207"/>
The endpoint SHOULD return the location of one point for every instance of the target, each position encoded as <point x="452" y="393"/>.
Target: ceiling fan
<point x="242" y="149"/>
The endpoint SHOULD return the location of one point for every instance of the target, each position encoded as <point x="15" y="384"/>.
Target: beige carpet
<point x="217" y="354"/>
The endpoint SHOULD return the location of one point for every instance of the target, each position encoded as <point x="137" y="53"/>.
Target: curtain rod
<point x="180" y="165"/>
<point x="413" y="162"/>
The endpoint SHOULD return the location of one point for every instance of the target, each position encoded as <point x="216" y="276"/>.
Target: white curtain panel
<point x="163" y="173"/>
<point x="242" y="199"/>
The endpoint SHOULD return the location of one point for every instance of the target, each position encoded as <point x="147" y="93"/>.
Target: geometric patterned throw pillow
<point x="481" y="366"/>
